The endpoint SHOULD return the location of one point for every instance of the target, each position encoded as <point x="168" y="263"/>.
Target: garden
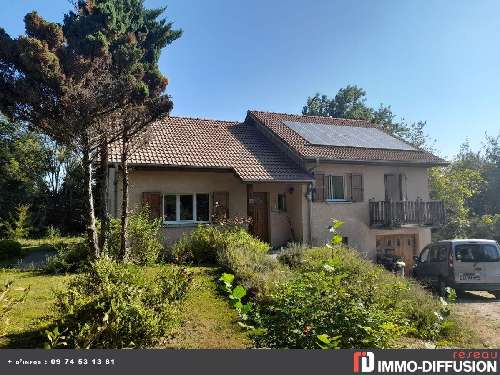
<point x="214" y="288"/>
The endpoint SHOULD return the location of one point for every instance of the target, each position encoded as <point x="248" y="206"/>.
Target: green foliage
<point x="350" y="102"/>
<point x="19" y="227"/>
<point x="117" y="306"/>
<point x="70" y="258"/>
<point x="8" y="300"/>
<point x="143" y="236"/>
<point x="203" y="243"/>
<point x="53" y="233"/>
<point x="293" y="255"/>
<point x="487" y="226"/>
<point x="236" y="296"/>
<point x="335" y="294"/>
<point x="454" y="185"/>
<point x="10" y="249"/>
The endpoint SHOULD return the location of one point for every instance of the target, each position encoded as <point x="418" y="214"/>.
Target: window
<point x="439" y="254"/>
<point x="477" y="253"/>
<point x="182" y="208"/>
<point x="335" y="188"/>
<point x="281" y="202"/>
<point x="424" y="255"/>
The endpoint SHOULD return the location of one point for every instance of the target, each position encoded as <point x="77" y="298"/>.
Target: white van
<point x="460" y="264"/>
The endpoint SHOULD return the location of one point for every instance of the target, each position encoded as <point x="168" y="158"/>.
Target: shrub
<point x="144" y="241"/>
<point x="19" y="227"/>
<point x="117" y="306"/>
<point x="337" y="293"/>
<point x="293" y="255"/>
<point x="70" y="257"/>
<point x="203" y="243"/>
<point x="10" y="249"/>
<point x="247" y="259"/>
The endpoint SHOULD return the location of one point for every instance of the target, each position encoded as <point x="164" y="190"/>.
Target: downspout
<point x="309" y="212"/>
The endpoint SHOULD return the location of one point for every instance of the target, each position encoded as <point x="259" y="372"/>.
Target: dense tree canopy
<point x="72" y="81"/>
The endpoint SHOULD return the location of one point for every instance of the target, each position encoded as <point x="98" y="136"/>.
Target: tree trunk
<point x="89" y="204"/>
<point x="103" y="195"/>
<point x="124" y="213"/>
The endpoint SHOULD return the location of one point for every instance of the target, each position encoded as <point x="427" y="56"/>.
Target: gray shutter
<point x="153" y="201"/>
<point x="357" y="187"/>
<point x="319" y="192"/>
<point x="404" y="187"/>
<point x="348" y="187"/>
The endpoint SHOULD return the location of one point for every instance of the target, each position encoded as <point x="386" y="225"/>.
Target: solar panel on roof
<point x="347" y="136"/>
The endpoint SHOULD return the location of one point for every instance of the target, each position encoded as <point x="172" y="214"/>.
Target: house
<point x="291" y="174"/>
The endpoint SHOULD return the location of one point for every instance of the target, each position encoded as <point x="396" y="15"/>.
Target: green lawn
<point x="28" y="318"/>
<point x="207" y="319"/>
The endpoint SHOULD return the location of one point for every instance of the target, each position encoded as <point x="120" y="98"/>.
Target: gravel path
<point x="482" y="311"/>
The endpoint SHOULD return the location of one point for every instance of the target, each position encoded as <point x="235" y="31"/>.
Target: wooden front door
<point x="403" y="245"/>
<point x="260" y="224"/>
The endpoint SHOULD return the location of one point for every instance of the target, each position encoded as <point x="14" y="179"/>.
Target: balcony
<point x="396" y="214"/>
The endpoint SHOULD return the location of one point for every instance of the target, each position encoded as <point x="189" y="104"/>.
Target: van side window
<point x="477" y="253"/>
<point x="439" y="254"/>
<point x="424" y="255"/>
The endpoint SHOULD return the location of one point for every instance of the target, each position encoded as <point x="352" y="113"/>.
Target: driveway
<point x="482" y="311"/>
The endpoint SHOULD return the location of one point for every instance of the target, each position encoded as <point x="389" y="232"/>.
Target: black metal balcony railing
<point x="399" y="213"/>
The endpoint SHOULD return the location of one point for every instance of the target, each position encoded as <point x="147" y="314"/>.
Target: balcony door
<point x="395" y="187"/>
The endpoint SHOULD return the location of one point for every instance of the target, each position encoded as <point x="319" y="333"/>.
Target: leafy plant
<point x="117" y="306"/>
<point x="293" y="255"/>
<point x="326" y="342"/>
<point x="145" y="246"/>
<point x="70" y="257"/>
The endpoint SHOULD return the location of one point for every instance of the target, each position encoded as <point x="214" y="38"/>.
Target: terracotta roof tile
<point x="202" y="143"/>
<point x="274" y="122"/>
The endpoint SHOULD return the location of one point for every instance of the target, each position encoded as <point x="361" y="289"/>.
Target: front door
<point x="260" y="224"/>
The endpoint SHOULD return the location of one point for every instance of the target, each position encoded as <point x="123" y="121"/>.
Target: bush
<point x="117" y="306"/>
<point x="337" y="293"/>
<point x="293" y="255"/>
<point x="203" y="244"/>
<point x="10" y="249"/>
<point x="247" y="258"/>
<point x="70" y="257"/>
<point x="144" y="240"/>
<point x="19" y="227"/>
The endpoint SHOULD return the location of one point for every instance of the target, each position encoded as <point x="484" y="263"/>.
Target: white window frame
<point x="178" y="209"/>
<point x="328" y="189"/>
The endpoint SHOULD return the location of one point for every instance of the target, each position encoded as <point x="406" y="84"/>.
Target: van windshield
<point x="477" y="253"/>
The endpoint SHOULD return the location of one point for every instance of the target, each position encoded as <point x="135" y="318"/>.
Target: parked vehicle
<point x="460" y="264"/>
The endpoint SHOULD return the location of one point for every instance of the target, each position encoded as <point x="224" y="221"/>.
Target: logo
<point x="367" y="361"/>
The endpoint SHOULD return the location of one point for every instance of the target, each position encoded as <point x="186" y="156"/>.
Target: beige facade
<point x="284" y="226"/>
<point x="356" y="214"/>
<point x="303" y="220"/>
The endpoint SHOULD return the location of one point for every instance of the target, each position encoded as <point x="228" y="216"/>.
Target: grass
<point x="27" y="319"/>
<point x="207" y="319"/>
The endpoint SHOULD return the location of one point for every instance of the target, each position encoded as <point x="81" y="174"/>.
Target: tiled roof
<point x="303" y="149"/>
<point x="202" y="143"/>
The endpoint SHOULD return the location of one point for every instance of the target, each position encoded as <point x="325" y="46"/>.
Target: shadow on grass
<point x="34" y="339"/>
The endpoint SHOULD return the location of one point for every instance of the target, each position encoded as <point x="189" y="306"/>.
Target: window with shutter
<point x="186" y="208"/>
<point x="335" y="188"/>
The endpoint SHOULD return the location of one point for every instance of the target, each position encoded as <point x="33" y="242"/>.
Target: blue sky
<point x="431" y="60"/>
